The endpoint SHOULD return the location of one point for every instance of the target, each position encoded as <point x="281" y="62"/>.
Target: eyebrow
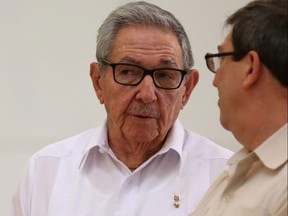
<point x="168" y="62"/>
<point x="131" y="60"/>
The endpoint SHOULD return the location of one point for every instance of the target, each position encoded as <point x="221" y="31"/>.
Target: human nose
<point x="146" y="90"/>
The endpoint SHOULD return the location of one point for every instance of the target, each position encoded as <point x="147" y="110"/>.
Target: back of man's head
<point x="262" y="26"/>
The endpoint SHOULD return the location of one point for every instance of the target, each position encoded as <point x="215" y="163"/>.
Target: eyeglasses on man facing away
<point x="213" y="61"/>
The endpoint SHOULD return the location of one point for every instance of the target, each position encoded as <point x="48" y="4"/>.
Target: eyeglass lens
<point x="214" y="63"/>
<point x="132" y="75"/>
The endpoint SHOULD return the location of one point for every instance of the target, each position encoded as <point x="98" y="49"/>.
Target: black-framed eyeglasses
<point x="132" y="75"/>
<point x="213" y="61"/>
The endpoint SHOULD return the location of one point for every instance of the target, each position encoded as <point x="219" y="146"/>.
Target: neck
<point x="265" y="118"/>
<point x="134" y="154"/>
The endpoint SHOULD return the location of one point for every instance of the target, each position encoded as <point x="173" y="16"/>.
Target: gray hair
<point x="141" y="14"/>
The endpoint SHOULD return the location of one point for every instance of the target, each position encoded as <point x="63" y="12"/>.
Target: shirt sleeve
<point x="20" y="205"/>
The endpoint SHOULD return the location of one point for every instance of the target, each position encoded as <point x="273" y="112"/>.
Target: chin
<point x="141" y="138"/>
<point x="223" y="123"/>
<point x="142" y="134"/>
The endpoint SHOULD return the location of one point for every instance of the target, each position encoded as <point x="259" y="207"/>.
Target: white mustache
<point x="146" y="110"/>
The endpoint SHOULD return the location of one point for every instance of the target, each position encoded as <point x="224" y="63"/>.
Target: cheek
<point x="116" y="102"/>
<point x="119" y="103"/>
<point x="229" y="96"/>
<point x="170" y="107"/>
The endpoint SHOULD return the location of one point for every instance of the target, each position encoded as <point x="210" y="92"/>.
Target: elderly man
<point x="141" y="161"/>
<point x="251" y="78"/>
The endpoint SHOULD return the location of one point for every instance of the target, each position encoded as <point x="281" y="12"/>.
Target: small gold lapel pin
<point x="176" y="201"/>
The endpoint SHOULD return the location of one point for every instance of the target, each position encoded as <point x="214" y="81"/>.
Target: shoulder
<point x="67" y="147"/>
<point x="202" y="147"/>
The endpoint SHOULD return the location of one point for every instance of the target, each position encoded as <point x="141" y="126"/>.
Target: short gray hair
<point x="141" y="14"/>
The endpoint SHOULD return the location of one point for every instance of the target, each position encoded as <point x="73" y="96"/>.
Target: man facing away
<point x="251" y="78"/>
<point x="141" y="161"/>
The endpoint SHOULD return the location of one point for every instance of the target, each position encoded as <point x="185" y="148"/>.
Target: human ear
<point x="190" y="83"/>
<point x="253" y="71"/>
<point x="95" y="77"/>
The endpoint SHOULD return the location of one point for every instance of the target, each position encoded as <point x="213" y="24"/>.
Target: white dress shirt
<point x="81" y="176"/>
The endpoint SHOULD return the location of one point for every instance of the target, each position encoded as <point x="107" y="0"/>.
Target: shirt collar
<point x="273" y="152"/>
<point x="238" y="156"/>
<point x="174" y="141"/>
<point x="98" y="140"/>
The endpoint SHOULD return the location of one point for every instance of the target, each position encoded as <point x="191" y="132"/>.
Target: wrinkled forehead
<point x="135" y="43"/>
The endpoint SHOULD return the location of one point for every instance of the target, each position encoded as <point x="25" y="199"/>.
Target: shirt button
<point x="101" y="151"/>
<point x="227" y="198"/>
